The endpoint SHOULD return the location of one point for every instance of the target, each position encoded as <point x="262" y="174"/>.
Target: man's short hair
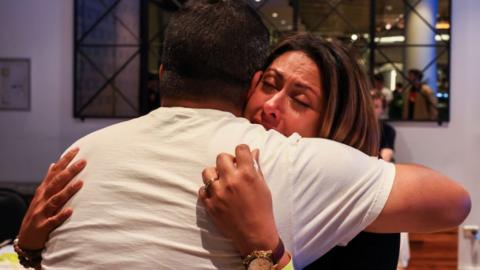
<point x="378" y="78"/>
<point x="417" y="73"/>
<point x="212" y="48"/>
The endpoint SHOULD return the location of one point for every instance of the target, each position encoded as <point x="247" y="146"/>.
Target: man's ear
<point x="161" y="71"/>
<point x="255" y="81"/>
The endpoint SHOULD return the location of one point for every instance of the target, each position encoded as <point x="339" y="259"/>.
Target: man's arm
<point x="422" y="200"/>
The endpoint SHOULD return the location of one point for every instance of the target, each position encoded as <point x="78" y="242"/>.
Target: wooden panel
<point x="435" y="251"/>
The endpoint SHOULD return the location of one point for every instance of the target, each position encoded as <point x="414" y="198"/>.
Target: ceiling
<point x="339" y="17"/>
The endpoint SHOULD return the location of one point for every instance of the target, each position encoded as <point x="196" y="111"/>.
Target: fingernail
<point x="68" y="212"/>
<point x="78" y="184"/>
<point x="81" y="163"/>
<point x="75" y="150"/>
<point x="255" y="165"/>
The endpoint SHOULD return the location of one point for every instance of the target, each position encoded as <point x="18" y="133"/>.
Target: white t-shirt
<point x="138" y="208"/>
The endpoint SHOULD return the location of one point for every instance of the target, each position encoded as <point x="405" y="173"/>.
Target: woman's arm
<point x="422" y="200"/>
<point x="45" y="212"/>
<point x="239" y="202"/>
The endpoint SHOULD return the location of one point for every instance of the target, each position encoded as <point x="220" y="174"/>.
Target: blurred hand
<point x="239" y="202"/>
<point x="45" y="212"/>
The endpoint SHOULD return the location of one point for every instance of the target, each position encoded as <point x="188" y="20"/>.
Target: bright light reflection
<point x="393" y="79"/>
<point x="391" y="39"/>
<point x="444" y="37"/>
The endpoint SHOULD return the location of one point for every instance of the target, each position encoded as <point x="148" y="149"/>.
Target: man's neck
<point x="213" y="104"/>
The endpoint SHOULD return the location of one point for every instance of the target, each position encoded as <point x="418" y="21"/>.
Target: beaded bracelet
<point x="28" y="258"/>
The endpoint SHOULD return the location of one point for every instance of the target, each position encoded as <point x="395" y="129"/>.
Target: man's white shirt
<point x="138" y="208"/>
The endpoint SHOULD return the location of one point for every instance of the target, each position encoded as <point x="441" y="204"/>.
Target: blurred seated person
<point x="387" y="146"/>
<point x="419" y="101"/>
<point x="396" y="106"/>
<point x="379" y="87"/>
<point x="387" y="132"/>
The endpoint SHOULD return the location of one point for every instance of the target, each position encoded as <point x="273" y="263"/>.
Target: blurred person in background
<point x="387" y="152"/>
<point x="396" y="106"/>
<point x="419" y="101"/>
<point x="379" y="87"/>
<point x="387" y="132"/>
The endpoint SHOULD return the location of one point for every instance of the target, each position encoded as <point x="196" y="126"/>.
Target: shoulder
<point x="427" y="89"/>
<point x="387" y="127"/>
<point x="110" y="134"/>
<point x="317" y="161"/>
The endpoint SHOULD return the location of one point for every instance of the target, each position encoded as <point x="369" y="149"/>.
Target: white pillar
<point x="417" y="32"/>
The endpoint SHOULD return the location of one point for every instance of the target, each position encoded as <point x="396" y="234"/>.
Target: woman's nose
<point x="272" y="109"/>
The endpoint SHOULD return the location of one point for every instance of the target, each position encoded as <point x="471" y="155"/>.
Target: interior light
<point x="274" y="14"/>
<point x="391" y="39"/>
<point x="442" y="25"/>
<point x="283" y="22"/>
<point x="354" y="37"/>
<point x="441" y="37"/>
<point x="388" y="26"/>
<point x="258" y="1"/>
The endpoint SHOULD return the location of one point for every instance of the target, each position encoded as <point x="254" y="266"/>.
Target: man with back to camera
<point x="138" y="208"/>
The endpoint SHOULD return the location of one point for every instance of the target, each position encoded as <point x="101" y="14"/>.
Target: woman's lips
<point x="266" y="122"/>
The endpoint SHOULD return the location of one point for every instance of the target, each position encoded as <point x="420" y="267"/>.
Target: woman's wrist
<point x="28" y="258"/>
<point x="285" y="263"/>
<point x="275" y="256"/>
<point x="263" y="263"/>
<point x="258" y="240"/>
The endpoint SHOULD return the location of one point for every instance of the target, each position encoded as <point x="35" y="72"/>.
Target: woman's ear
<point x="255" y="81"/>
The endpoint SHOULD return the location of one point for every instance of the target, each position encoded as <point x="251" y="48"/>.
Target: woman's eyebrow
<point x="277" y="72"/>
<point x="300" y="85"/>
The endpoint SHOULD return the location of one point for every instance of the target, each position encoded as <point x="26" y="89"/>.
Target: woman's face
<point x="378" y="107"/>
<point x="287" y="97"/>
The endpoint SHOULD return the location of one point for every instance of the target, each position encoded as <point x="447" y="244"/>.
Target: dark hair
<point x="212" y="49"/>
<point x="346" y="107"/>
<point x="152" y="76"/>
<point x="378" y="78"/>
<point x="417" y="73"/>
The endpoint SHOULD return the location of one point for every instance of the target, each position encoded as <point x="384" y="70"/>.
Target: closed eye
<point x="268" y="86"/>
<point x="304" y="104"/>
<point x="301" y="103"/>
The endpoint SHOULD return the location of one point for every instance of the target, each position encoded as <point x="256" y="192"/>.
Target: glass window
<point x="118" y="46"/>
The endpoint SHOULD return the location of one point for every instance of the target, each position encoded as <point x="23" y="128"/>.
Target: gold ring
<point x="207" y="185"/>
